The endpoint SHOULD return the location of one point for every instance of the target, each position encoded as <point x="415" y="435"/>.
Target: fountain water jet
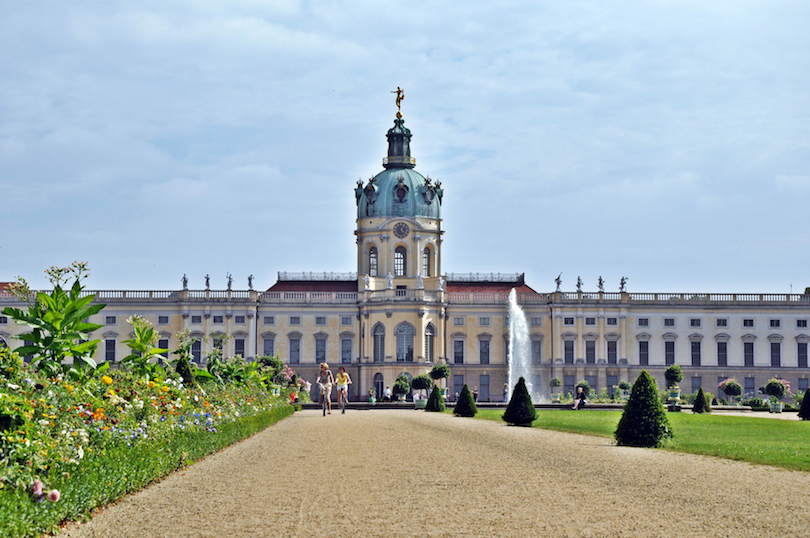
<point x="519" y="349"/>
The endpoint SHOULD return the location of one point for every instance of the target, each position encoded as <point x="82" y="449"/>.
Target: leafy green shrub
<point x="520" y="410"/>
<point x="804" y="410"/>
<point x="755" y="402"/>
<point x="777" y="389"/>
<point x="402" y="385"/>
<point x="465" y="406"/>
<point x="624" y="385"/>
<point x="586" y="388"/>
<point x="435" y="402"/>
<point x="701" y="404"/>
<point x="673" y="375"/>
<point x="644" y="422"/>
<point x="422" y="382"/>
<point x="183" y="368"/>
<point x="730" y="387"/>
<point x="439" y="371"/>
<point x="554" y="383"/>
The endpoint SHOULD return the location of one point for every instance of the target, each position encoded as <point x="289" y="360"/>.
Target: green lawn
<point x="780" y="443"/>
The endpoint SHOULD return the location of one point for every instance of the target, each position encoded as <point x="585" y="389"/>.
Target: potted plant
<point x="402" y="386"/>
<point x="730" y="388"/>
<point x="776" y="389"/>
<point x="673" y="375"/>
<point x="440" y="371"/>
<point x="422" y="382"/>
<point x="624" y="387"/>
<point x="555" y="384"/>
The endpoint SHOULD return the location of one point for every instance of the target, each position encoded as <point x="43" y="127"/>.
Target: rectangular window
<point x="694" y="322"/>
<point x="590" y="321"/>
<point x="402" y="291"/>
<point x="801" y="323"/>
<point x="669" y="322"/>
<point x="697" y="382"/>
<point x="721" y="322"/>
<point x="591" y="380"/>
<point x="196" y="351"/>
<point x="163" y="320"/>
<point x="3" y="320"/>
<point x="110" y="320"/>
<point x="537" y="351"/>
<point x="239" y="347"/>
<point x="569" y="351"/>
<point x="269" y="320"/>
<point x="483" y="322"/>
<point x="458" y="351"/>
<point x="612" y="321"/>
<point x="218" y="320"/>
<point x="295" y="350"/>
<point x="483" y="388"/>
<point x="346" y="320"/>
<point x="612" y="351"/>
<point x="802" y="353"/>
<point x="537" y="322"/>
<point x="163" y="343"/>
<point x="239" y="320"/>
<point x="750" y="387"/>
<point x="320" y="320"/>
<point x="268" y="347"/>
<point x="803" y="384"/>
<point x="568" y="384"/>
<point x="320" y="350"/>
<point x="695" y="353"/>
<point x="643" y="322"/>
<point x="748" y="323"/>
<point x="748" y="353"/>
<point x="458" y="322"/>
<point x="643" y="353"/>
<point x="776" y="354"/>
<point x="612" y="381"/>
<point x="590" y="351"/>
<point x="776" y="323"/>
<point x="669" y="353"/>
<point x="483" y="351"/>
<point x="109" y="350"/>
<point x="196" y="320"/>
<point x="458" y="384"/>
<point x="295" y="320"/>
<point x="346" y="350"/>
<point x="722" y="353"/>
<point x="568" y="321"/>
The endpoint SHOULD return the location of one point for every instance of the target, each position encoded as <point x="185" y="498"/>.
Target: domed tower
<point x="401" y="291"/>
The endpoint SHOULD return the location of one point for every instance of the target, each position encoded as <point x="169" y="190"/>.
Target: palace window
<point x="110" y="320"/>
<point x="346" y="320"/>
<point x="537" y="351"/>
<point x="399" y="261"/>
<point x="568" y="321"/>
<point x="372" y="261"/>
<point x="268" y="347"/>
<point x="669" y="352"/>
<point x="346" y="350"/>
<point x="776" y="354"/>
<point x="196" y="320"/>
<point x="590" y="351"/>
<point x="295" y="320"/>
<point x="426" y="262"/>
<point x="379" y="343"/>
<point x="483" y="322"/>
<point x="163" y="343"/>
<point x="695" y="353"/>
<point x="458" y="351"/>
<point x="643" y="322"/>
<point x="295" y="350"/>
<point x="722" y="353"/>
<point x="269" y="320"/>
<point x="776" y="323"/>
<point x="196" y="351"/>
<point x="748" y="353"/>
<point x="239" y="320"/>
<point x="404" y="333"/>
<point x="568" y="351"/>
<point x="801" y="323"/>
<point x="163" y="320"/>
<point x="320" y="350"/>
<point x="430" y="334"/>
<point x="669" y="322"/>
<point x="590" y="321"/>
<point x="613" y="321"/>
<point x="536" y="322"/>
<point x="748" y="323"/>
<point x="802" y="353"/>
<point x="109" y="350"/>
<point x="697" y="382"/>
<point x="458" y="321"/>
<point x="218" y="320"/>
<point x="483" y="351"/>
<point x="694" y="322"/>
<point x="721" y="322"/>
<point x="320" y="320"/>
<point x="612" y="351"/>
<point x="643" y="353"/>
<point x="239" y="347"/>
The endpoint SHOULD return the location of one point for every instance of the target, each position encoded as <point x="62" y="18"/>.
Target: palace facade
<point x="400" y="313"/>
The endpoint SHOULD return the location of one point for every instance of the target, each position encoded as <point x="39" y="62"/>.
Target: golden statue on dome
<point x="400" y="96"/>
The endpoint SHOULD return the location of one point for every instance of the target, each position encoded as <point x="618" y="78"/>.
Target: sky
<point x="664" y="141"/>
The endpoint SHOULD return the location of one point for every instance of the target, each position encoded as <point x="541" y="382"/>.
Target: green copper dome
<point x="399" y="190"/>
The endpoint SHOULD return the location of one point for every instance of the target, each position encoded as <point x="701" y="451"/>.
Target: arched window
<point x="379" y="385"/>
<point x="372" y="261"/>
<point x="404" y="333"/>
<point x="399" y="261"/>
<point x="426" y="262"/>
<point x="430" y="335"/>
<point x="379" y="343"/>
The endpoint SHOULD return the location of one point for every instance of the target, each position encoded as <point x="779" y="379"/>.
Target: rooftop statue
<point x="558" y="280"/>
<point x="622" y="284"/>
<point x="400" y="96"/>
<point x="601" y="284"/>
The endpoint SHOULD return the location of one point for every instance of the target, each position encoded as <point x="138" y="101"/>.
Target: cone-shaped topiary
<point x="435" y="402"/>
<point x="465" y="406"/>
<point x="520" y="411"/>
<point x="804" y="410"/>
<point x="644" y="422"/>
<point x="701" y="403"/>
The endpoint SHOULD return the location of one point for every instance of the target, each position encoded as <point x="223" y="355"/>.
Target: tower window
<point x="372" y="261"/>
<point x="399" y="261"/>
<point x="426" y="262"/>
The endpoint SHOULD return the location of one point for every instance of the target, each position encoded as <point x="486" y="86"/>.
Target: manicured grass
<point x="780" y="443"/>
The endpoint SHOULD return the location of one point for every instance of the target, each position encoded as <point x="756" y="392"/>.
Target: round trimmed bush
<point x="673" y="375"/>
<point x="701" y="404"/>
<point x="644" y="422"/>
<point x="465" y="406"/>
<point x="520" y="411"/>
<point x="435" y="402"/>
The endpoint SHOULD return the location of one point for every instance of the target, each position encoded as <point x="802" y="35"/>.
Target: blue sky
<point x="667" y="142"/>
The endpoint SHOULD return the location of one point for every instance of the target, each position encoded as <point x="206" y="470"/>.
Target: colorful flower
<point x="107" y="380"/>
<point x="54" y="495"/>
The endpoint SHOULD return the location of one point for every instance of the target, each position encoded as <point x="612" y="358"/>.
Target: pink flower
<point x="53" y="496"/>
<point x="36" y="487"/>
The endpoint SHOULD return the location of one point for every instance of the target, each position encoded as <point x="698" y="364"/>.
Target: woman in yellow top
<point x="343" y="381"/>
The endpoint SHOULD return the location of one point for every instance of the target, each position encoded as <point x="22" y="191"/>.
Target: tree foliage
<point x="435" y="401"/>
<point x="402" y="385"/>
<point x="730" y="387"/>
<point x="586" y="388"/>
<point x="439" y="371"/>
<point x="465" y="406"/>
<point x="520" y="410"/>
<point x="644" y="422"/>
<point x="701" y="404"/>
<point x="673" y="375"/>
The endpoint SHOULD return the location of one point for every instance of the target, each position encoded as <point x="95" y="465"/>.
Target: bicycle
<point x="324" y="396"/>
<point x="342" y="396"/>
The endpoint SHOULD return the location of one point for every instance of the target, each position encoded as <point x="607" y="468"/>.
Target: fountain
<point x="519" y="359"/>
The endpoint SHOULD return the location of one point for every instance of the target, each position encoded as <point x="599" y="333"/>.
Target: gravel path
<point x="410" y="473"/>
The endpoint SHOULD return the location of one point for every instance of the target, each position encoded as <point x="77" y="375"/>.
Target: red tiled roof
<point x="5" y="285"/>
<point x="315" y="285"/>
<point x="487" y="287"/>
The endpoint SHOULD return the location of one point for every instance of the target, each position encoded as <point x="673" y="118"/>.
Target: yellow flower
<point x="107" y="380"/>
<point x="69" y="388"/>
<point x="164" y="388"/>
<point x="150" y="384"/>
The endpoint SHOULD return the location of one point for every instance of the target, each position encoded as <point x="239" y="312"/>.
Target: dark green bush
<point x="402" y="385"/>
<point x="184" y="369"/>
<point x="755" y="402"/>
<point x="435" y="402"/>
<point x="520" y="411"/>
<point x="804" y="410"/>
<point x="422" y="382"/>
<point x="586" y="388"/>
<point x="673" y="375"/>
<point x="701" y="404"/>
<point x="465" y="406"/>
<point x="644" y="422"/>
<point x="439" y="371"/>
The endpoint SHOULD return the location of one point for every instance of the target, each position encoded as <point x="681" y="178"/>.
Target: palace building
<point x="399" y="313"/>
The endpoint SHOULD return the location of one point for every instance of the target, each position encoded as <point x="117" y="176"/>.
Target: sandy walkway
<point x="410" y="473"/>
